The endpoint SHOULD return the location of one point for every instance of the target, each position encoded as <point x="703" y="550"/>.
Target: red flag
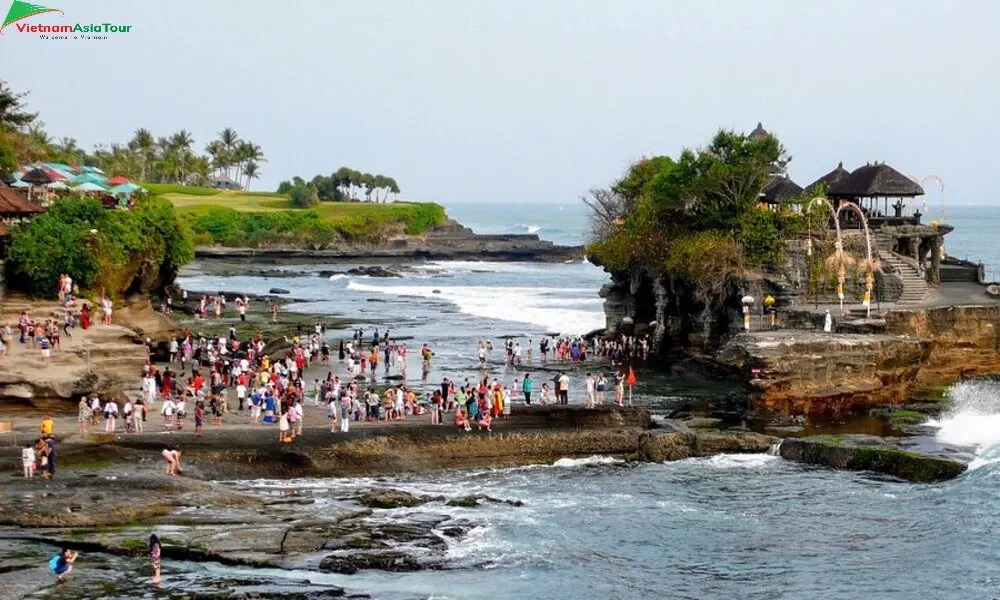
<point x="631" y="377"/>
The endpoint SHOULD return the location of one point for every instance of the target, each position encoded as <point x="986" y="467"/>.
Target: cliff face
<point x="640" y="301"/>
<point x="798" y="372"/>
<point x="964" y="340"/>
<point x="795" y="372"/>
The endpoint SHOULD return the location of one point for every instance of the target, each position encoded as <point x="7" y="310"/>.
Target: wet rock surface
<point x="870" y="453"/>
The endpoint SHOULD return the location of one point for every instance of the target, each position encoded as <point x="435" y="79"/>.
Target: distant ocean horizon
<point x="977" y="228"/>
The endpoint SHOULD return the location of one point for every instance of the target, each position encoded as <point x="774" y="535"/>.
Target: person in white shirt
<point x="28" y="461"/>
<point x="168" y="413"/>
<point x="110" y="415"/>
<point x="174" y="348"/>
<point x="591" y="398"/>
<point x="299" y="415"/>
<point x="241" y="394"/>
<point x="128" y="412"/>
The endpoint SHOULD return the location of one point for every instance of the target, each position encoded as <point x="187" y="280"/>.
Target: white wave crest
<point x="568" y="463"/>
<point x="555" y="309"/>
<point x="337" y="276"/>
<point x="534" y="228"/>
<point x="973" y="419"/>
<point x="740" y="461"/>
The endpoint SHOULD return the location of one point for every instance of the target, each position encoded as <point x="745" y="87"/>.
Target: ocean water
<point x="725" y="527"/>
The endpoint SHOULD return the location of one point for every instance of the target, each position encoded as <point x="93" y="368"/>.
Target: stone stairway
<point x="915" y="289"/>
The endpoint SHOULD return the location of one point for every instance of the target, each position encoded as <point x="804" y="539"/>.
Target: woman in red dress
<point x="85" y="316"/>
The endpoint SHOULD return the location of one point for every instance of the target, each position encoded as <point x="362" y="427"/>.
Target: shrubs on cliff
<point x="319" y="227"/>
<point x="121" y="251"/>
<point x="697" y="216"/>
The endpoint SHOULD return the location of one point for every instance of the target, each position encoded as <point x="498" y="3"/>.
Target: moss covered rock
<point x="839" y="454"/>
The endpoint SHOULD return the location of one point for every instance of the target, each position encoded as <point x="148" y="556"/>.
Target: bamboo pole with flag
<point x="630" y="381"/>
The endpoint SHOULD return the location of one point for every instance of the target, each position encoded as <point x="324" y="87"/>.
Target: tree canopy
<point x="696" y="215"/>
<point x="344" y="184"/>
<point x="138" y="250"/>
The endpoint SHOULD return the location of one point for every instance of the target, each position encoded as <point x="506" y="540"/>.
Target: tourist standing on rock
<point x="28" y="461"/>
<point x="47" y="426"/>
<point x="110" y="415"/>
<point x="49" y="448"/>
<point x="155" y="550"/>
<point x="106" y="307"/>
<point x="527" y="386"/>
<point x="82" y="415"/>
<point x="591" y="387"/>
<point x="564" y="389"/>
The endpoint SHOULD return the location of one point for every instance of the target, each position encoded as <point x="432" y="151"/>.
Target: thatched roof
<point x="877" y="180"/>
<point x="780" y="188"/>
<point x="758" y="133"/>
<point x="36" y="177"/>
<point x="830" y="178"/>
<point x="13" y="203"/>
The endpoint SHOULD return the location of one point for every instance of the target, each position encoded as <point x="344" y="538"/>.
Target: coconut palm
<point x="230" y="139"/>
<point x="251" y="171"/>
<point x="145" y="146"/>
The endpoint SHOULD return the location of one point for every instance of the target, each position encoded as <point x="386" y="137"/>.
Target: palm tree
<point x="229" y="139"/>
<point x="144" y="144"/>
<point x="200" y="168"/>
<point x="245" y="153"/>
<point x="251" y="171"/>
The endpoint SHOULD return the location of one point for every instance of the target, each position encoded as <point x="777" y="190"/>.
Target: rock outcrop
<point x="964" y="340"/>
<point x="798" y="372"/>
<point x="450" y="241"/>
<point x="869" y="454"/>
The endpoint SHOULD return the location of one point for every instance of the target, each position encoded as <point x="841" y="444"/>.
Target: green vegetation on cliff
<point x="238" y="219"/>
<point x="138" y="250"/>
<point x="698" y="216"/>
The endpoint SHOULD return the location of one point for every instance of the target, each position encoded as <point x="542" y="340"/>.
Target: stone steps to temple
<point x="915" y="289"/>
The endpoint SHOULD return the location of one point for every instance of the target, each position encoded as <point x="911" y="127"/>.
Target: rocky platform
<point x="451" y="241"/>
<point x="816" y="373"/>
<point x="101" y="358"/>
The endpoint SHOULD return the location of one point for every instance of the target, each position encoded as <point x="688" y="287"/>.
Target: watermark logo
<point x="21" y="11"/>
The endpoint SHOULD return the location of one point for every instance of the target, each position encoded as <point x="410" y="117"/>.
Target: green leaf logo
<point x="22" y="10"/>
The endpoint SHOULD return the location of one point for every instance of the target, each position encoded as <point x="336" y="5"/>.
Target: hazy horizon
<point x="528" y="102"/>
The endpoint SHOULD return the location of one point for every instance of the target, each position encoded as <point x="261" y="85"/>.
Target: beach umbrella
<point x="54" y="174"/>
<point x="20" y="184"/>
<point x="90" y="187"/>
<point x="117" y="180"/>
<point x="125" y="188"/>
<point x="37" y="177"/>
<point x="88" y="178"/>
<point x="57" y="185"/>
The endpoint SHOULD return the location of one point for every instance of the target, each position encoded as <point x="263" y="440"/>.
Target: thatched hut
<point x="758" y="134"/>
<point x="779" y="189"/>
<point x="871" y="186"/>
<point x="830" y="179"/>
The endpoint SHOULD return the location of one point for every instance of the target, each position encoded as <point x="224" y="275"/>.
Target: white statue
<point x="828" y="322"/>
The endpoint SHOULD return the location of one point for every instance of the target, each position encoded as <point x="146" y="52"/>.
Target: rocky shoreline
<point x="451" y="241"/>
<point x="238" y="503"/>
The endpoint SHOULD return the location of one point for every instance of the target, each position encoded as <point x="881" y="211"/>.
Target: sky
<point x="520" y="101"/>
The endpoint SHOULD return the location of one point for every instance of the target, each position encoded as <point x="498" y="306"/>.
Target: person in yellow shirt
<point x="47" y="425"/>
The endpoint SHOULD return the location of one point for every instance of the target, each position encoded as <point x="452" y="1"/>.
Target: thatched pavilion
<point x="871" y="187"/>
<point x="829" y="180"/>
<point x="779" y="189"/>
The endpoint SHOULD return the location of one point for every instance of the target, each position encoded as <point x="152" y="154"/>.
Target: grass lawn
<point x="268" y="202"/>
<point x="255" y="219"/>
